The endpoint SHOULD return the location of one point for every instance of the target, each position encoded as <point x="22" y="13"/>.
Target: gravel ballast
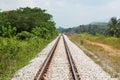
<point x="29" y="71"/>
<point x="59" y="66"/>
<point x="87" y="69"/>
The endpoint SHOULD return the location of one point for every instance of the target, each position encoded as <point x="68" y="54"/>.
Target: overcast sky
<point x="69" y="13"/>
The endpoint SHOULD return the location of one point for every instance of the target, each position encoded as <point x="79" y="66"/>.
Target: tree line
<point x="27" y="22"/>
<point x="112" y="28"/>
<point x="92" y="28"/>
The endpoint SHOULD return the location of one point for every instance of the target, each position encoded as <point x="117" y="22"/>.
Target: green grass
<point x="112" y="41"/>
<point x="103" y="55"/>
<point x="15" y="54"/>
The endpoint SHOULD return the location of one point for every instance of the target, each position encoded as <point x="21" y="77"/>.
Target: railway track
<point x="56" y="63"/>
<point x="45" y="66"/>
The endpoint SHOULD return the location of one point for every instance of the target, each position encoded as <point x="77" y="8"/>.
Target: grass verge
<point x="107" y="60"/>
<point x="15" y="54"/>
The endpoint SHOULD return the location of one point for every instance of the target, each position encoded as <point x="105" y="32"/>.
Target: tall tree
<point x="25" y="19"/>
<point x="114" y="27"/>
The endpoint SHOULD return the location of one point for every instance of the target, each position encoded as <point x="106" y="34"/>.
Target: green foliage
<point x="8" y="31"/>
<point x="24" y="35"/>
<point x="112" y="41"/>
<point x="114" y="27"/>
<point x="15" y="54"/>
<point x="25" y="19"/>
<point x="108" y="29"/>
<point x="106" y="49"/>
<point x="36" y="31"/>
<point x="43" y="33"/>
<point x="92" y="28"/>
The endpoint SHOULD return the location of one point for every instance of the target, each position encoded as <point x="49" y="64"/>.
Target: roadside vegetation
<point x="107" y="55"/>
<point x="15" y="54"/>
<point x="103" y="48"/>
<point x="112" y="28"/>
<point x="111" y="41"/>
<point x="23" y="33"/>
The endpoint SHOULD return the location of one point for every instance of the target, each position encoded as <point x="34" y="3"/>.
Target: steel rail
<point x="42" y="70"/>
<point x="40" y="73"/>
<point x="71" y="62"/>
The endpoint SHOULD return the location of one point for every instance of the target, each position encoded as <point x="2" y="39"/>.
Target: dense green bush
<point x="8" y="31"/>
<point x="25" y="19"/>
<point x="15" y="54"/>
<point x="24" y="35"/>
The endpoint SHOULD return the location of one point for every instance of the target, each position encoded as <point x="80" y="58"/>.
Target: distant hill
<point x="92" y="28"/>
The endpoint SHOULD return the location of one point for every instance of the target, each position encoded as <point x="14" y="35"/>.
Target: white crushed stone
<point x="29" y="71"/>
<point x="59" y="66"/>
<point x="87" y="69"/>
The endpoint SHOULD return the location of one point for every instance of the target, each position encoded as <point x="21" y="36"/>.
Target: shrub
<point x="15" y="54"/>
<point x="8" y="31"/>
<point x="24" y="35"/>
